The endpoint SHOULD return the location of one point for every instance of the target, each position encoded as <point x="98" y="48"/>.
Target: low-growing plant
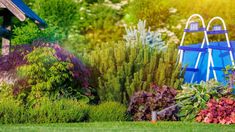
<point x="108" y="111"/>
<point x="11" y="111"/>
<point x="162" y="100"/>
<point x="194" y="97"/>
<point x="60" y="111"/>
<point x="47" y="111"/>
<point x="221" y="111"/>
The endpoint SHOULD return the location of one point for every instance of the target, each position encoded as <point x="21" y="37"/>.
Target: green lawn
<point x="120" y="126"/>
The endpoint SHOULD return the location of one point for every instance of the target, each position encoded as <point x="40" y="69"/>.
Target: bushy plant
<point x="57" y="13"/>
<point x="15" y="58"/>
<point x="162" y="100"/>
<point x="11" y="111"/>
<point x="60" y="111"/>
<point x="47" y="111"/>
<point x="155" y="12"/>
<point x="145" y="36"/>
<point x="99" y="23"/>
<point x="50" y="73"/>
<point x="194" y="97"/>
<point x="121" y="70"/>
<point x="108" y="111"/>
<point x="222" y="111"/>
<point x="28" y="32"/>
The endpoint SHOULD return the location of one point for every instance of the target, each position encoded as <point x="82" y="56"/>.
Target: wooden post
<point x="7" y="16"/>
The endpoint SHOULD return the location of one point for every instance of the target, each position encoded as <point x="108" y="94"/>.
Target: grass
<point x="120" y="127"/>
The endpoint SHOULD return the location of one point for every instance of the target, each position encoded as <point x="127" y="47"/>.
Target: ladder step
<point x="217" y="32"/>
<point x="192" y="49"/>
<point x="217" y="68"/>
<point x="191" y="69"/>
<point x="199" y="30"/>
<point x="219" y="48"/>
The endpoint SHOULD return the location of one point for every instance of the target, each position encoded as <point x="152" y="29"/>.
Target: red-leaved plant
<point x="143" y="103"/>
<point x="222" y="111"/>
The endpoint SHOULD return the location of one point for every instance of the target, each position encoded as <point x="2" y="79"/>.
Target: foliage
<point x="10" y="111"/>
<point x="115" y="1"/>
<point x="143" y="103"/>
<point x="57" y="13"/>
<point x="60" y="111"/>
<point x="54" y="73"/>
<point x="108" y="111"/>
<point x="194" y="97"/>
<point x="15" y="58"/>
<point x="229" y="72"/>
<point x="155" y="12"/>
<point x="222" y="111"/>
<point x="145" y="36"/>
<point x="98" y="23"/>
<point x="29" y="32"/>
<point x="6" y="90"/>
<point x="121" y="70"/>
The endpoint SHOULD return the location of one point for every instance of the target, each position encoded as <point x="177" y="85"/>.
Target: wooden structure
<point x="9" y="9"/>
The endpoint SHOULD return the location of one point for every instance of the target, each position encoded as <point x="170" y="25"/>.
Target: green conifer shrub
<point x="122" y="70"/>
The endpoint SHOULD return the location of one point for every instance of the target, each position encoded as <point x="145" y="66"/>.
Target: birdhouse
<point x="18" y="9"/>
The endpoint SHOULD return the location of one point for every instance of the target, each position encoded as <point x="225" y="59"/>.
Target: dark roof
<point x="28" y="12"/>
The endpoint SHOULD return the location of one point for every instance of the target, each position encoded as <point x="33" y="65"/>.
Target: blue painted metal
<point x="217" y="32"/>
<point x="219" y="48"/>
<point x="28" y="12"/>
<point x="187" y="48"/>
<point x="221" y="58"/>
<point x="192" y="69"/>
<point x="199" y="30"/>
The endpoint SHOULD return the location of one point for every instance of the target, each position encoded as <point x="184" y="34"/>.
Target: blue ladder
<point x="194" y="27"/>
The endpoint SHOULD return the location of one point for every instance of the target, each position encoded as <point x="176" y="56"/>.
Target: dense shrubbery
<point x="51" y="72"/>
<point x="121" y="70"/>
<point x="60" y="14"/>
<point x="194" y="97"/>
<point x="46" y="70"/>
<point x="11" y="111"/>
<point x="29" y="32"/>
<point x="162" y="100"/>
<point x="222" y="111"/>
<point x="108" y="111"/>
<point x="60" y="111"/>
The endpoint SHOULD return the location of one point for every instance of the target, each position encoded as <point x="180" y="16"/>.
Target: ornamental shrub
<point x="47" y="111"/>
<point x="155" y="12"/>
<point x="221" y="111"/>
<point x="59" y="111"/>
<point x="51" y="72"/>
<point x="60" y="14"/>
<point x="162" y="100"/>
<point x="11" y="111"/>
<point x="28" y="32"/>
<point x="194" y="97"/>
<point x="108" y="111"/>
<point x="122" y="70"/>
